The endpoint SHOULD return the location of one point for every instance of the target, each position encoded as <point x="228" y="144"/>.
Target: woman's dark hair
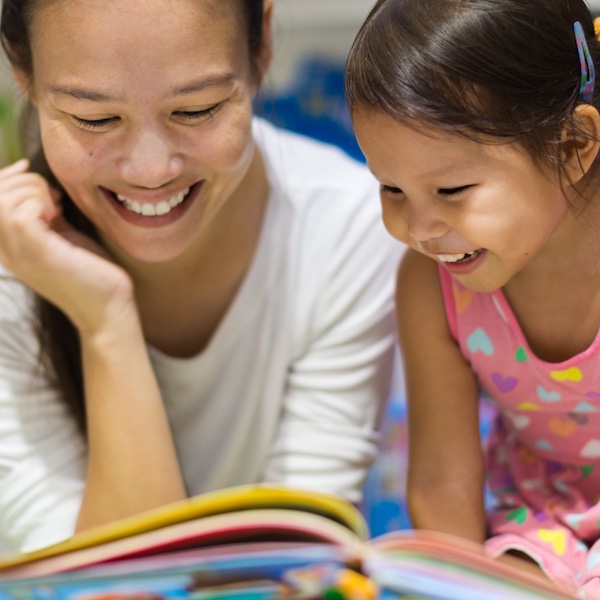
<point x="59" y="340"/>
<point x="503" y="68"/>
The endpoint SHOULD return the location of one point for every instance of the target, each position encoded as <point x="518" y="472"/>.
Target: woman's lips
<point x="154" y="214"/>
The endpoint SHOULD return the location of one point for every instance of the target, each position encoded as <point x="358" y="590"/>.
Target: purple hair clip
<point x="588" y="73"/>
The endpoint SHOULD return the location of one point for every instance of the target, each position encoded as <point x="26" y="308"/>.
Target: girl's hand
<point x="62" y="265"/>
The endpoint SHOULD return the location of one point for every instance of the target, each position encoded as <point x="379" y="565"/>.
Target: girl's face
<point x="484" y="211"/>
<point x="145" y="115"/>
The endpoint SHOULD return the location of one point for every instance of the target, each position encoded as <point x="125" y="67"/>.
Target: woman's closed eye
<point x="197" y="115"/>
<point x="188" y="116"/>
<point x="95" y="123"/>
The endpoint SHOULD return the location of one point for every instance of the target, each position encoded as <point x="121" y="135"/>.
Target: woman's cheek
<point x="70" y="154"/>
<point x="229" y="144"/>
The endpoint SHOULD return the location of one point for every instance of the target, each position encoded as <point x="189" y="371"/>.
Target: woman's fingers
<point x="18" y="167"/>
<point x="60" y="263"/>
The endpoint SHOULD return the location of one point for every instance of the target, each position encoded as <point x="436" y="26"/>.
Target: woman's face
<point x="145" y="115"/>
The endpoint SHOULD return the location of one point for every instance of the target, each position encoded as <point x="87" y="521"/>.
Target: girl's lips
<point x="467" y="265"/>
<point x="177" y="207"/>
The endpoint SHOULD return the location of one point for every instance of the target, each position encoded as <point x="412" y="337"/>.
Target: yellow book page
<point x="212" y="503"/>
<point x="228" y="528"/>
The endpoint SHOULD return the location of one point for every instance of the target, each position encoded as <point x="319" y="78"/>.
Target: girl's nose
<point x="151" y="161"/>
<point x="424" y="224"/>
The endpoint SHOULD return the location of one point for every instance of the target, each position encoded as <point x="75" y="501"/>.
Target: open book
<point x="261" y="542"/>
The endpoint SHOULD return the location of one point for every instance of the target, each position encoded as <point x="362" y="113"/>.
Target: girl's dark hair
<point x="503" y="68"/>
<point x="59" y="340"/>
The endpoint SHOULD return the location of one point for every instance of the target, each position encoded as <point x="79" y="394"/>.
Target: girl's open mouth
<point x="462" y="258"/>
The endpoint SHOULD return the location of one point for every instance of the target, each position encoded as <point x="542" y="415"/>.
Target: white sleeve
<point x="339" y="383"/>
<point x="42" y="454"/>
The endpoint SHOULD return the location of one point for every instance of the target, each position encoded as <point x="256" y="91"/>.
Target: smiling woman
<point x="211" y="296"/>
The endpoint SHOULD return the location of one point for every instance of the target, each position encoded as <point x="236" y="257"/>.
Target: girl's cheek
<point x="394" y="221"/>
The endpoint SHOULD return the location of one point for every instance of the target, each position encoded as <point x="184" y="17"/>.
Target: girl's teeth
<point x="453" y="258"/>
<point x="448" y="258"/>
<point x="152" y="210"/>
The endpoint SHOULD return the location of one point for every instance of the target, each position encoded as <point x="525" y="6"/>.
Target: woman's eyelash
<point x="197" y="114"/>
<point x="191" y="115"/>
<point x="94" y="123"/>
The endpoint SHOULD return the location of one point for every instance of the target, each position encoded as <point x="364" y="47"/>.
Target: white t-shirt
<point x="291" y="386"/>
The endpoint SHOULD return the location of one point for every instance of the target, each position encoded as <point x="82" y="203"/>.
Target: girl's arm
<point x="132" y="461"/>
<point x="446" y="473"/>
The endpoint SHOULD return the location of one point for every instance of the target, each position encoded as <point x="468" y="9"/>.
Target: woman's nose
<point x="150" y="160"/>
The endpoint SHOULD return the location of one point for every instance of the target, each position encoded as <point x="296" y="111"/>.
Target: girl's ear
<point x="580" y="148"/>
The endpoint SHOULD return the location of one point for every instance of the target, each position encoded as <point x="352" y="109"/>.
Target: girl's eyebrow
<point x="79" y="93"/>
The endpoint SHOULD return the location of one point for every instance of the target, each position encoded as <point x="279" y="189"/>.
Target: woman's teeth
<point x="454" y="258"/>
<point x="153" y="210"/>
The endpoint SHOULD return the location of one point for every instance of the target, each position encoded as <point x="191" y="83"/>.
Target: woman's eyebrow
<point x="90" y="95"/>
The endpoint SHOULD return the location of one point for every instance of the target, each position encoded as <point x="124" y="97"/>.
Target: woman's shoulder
<point x="16" y="299"/>
<point x="335" y="231"/>
<point x="307" y="169"/>
<point x="19" y="343"/>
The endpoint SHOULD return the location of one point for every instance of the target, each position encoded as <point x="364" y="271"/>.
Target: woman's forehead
<point x="111" y="14"/>
<point x="131" y="36"/>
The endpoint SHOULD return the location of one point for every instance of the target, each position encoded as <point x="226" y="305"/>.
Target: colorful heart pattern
<point x="556" y="538"/>
<point x="573" y="374"/>
<point x="518" y="515"/>
<point x="547" y="395"/>
<point x="479" y="341"/>
<point x="504" y="384"/>
<point x="551" y="417"/>
<point x="462" y="298"/>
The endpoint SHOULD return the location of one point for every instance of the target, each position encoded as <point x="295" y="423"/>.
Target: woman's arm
<point x="446" y="473"/>
<point x="132" y="461"/>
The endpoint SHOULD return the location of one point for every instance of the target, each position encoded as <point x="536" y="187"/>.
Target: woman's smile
<point x="144" y="211"/>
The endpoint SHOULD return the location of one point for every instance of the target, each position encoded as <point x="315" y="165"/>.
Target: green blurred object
<point x="11" y="141"/>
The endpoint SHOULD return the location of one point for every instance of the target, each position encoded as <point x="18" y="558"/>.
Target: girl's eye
<point x="454" y="191"/>
<point x="386" y="189"/>
<point x="92" y="124"/>
<point x="196" y="115"/>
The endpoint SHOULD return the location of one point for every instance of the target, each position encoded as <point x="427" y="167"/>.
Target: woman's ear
<point x="580" y="143"/>
<point x="24" y="82"/>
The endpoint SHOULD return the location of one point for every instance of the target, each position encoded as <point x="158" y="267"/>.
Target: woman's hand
<point x="128" y="430"/>
<point x="61" y="264"/>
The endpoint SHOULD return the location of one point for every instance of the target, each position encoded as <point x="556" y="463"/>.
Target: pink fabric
<point x="543" y="456"/>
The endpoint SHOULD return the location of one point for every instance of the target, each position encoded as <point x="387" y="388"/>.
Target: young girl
<point x="213" y="297"/>
<point x="479" y="118"/>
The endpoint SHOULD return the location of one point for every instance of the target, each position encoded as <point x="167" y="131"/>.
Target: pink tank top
<point x="552" y="409"/>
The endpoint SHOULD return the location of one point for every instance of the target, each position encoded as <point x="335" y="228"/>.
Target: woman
<point x="212" y="296"/>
